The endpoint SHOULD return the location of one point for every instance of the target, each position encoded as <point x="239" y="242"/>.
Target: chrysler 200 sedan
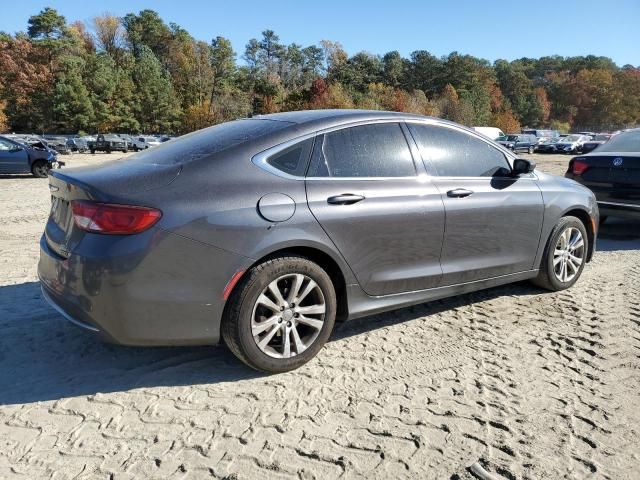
<point x="263" y="232"/>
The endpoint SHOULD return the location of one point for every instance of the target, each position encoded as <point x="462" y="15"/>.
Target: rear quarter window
<point x="294" y="159"/>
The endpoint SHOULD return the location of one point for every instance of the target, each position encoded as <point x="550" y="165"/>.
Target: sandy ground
<point x="529" y="384"/>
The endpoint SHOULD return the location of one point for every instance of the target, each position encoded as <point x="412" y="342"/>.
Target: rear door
<point x="13" y="157"/>
<point x="493" y="221"/>
<point x="382" y="213"/>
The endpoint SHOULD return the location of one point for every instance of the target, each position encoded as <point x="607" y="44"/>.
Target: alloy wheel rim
<point x="568" y="255"/>
<point x="41" y="169"/>
<point x="288" y="316"/>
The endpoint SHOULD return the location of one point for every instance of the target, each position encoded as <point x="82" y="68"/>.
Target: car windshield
<point x="623" y="142"/>
<point x="571" y="138"/>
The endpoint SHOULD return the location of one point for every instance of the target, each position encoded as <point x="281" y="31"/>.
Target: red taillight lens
<point x="579" y="166"/>
<point x="113" y="219"/>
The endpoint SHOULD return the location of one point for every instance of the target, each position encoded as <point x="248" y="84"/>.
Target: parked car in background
<point x="144" y="142"/>
<point x="547" y="145"/>
<point x="612" y="172"/>
<point x="598" y="139"/>
<point x="62" y="145"/>
<point x="490" y="132"/>
<point x="108" y="143"/>
<point x="571" y="143"/>
<point x="540" y="133"/>
<point x="18" y="157"/>
<point x="520" y="142"/>
<point x="264" y="231"/>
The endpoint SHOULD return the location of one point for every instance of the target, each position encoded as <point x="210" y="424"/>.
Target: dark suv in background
<point x="519" y="143"/>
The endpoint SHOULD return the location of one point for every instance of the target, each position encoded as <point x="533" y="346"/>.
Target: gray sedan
<point x="263" y="232"/>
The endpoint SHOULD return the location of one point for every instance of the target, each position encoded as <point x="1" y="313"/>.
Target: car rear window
<point x="623" y="142"/>
<point x="203" y="143"/>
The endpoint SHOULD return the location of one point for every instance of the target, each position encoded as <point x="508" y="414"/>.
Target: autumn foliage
<point x="138" y="73"/>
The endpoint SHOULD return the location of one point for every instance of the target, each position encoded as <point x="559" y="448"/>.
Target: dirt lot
<point x="527" y="383"/>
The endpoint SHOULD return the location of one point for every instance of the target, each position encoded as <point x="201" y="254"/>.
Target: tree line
<point x="139" y="74"/>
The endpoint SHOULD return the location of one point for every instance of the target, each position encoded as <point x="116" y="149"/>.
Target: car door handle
<point x="459" y="193"/>
<point x="345" y="199"/>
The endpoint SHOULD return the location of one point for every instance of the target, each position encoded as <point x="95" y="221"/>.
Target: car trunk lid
<point x="612" y="177"/>
<point x="116" y="182"/>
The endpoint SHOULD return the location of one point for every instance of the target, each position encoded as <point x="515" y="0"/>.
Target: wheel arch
<point x="587" y="221"/>
<point x="326" y="262"/>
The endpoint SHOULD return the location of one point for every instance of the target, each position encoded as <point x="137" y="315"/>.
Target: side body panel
<point x="392" y="239"/>
<point x="494" y="231"/>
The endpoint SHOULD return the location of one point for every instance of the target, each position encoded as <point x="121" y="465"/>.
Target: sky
<point x="484" y="28"/>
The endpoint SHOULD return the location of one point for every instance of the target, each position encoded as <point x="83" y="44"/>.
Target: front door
<point x="493" y="220"/>
<point x="13" y="157"/>
<point x="385" y="219"/>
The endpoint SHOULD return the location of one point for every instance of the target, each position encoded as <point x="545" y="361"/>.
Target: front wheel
<point x="564" y="256"/>
<point x="40" y="169"/>
<point x="280" y="314"/>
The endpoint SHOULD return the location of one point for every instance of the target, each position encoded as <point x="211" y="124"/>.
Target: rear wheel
<point x="564" y="256"/>
<point x="40" y="169"/>
<point x="280" y="315"/>
<point x="531" y="149"/>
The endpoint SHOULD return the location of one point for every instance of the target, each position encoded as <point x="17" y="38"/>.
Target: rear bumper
<point x="155" y="288"/>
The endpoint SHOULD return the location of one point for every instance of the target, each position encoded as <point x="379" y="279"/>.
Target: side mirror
<point x="522" y="166"/>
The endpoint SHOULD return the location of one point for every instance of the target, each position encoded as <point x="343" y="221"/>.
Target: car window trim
<point x="260" y="159"/>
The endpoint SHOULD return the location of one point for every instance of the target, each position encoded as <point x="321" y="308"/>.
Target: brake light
<point x="579" y="166"/>
<point x="113" y="219"/>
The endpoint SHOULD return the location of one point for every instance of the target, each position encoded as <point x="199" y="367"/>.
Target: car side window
<point x="294" y="159"/>
<point x="457" y="154"/>
<point x="6" y="146"/>
<point x="375" y="150"/>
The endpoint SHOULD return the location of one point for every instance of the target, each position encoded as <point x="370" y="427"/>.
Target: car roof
<point x="329" y="118"/>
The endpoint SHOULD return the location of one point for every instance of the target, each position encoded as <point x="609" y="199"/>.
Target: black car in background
<point x="108" y="143"/>
<point x="18" y="157"/>
<point x="612" y="172"/>
<point x="519" y="143"/>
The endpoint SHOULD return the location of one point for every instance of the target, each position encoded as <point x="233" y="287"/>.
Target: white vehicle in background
<point x="492" y="132"/>
<point x="143" y="142"/>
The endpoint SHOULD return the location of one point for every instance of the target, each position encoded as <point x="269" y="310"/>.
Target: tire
<point x="126" y="150"/>
<point x="548" y="276"/>
<point x="531" y="150"/>
<point x="93" y="152"/>
<point x="243" y="311"/>
<point x="108" y="150"/>
<point x="40" y="169"/>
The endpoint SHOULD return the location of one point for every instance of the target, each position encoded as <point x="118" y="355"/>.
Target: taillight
<point x="578" y="166"/>
<point x="113" y="219"/>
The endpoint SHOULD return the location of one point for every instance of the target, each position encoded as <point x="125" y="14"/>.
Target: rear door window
<point x="454" y="153"/>
<point x="375" y="150"/>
